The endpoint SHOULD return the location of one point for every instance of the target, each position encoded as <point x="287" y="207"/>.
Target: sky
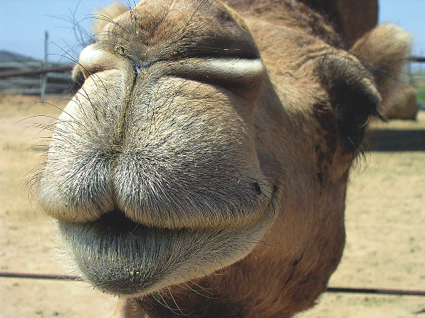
<point x="23" y="24"/>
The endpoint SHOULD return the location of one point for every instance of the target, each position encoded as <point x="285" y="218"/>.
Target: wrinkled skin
<point x="202" y="167"/>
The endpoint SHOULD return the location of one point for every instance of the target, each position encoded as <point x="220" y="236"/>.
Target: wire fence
<point x="351" y="290"/>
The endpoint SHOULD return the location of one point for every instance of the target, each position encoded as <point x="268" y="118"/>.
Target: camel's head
<point x="152" y="170"/>
<point x="180" y="153"/>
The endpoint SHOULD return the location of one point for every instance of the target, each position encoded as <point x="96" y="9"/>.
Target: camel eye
<point x="352" y="95"/>
<point x="353" y="110"/>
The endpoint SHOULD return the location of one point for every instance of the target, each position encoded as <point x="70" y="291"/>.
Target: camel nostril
<point x="257" y="187"/>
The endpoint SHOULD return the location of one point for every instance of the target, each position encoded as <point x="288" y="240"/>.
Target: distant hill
<point x="6" y="56"/>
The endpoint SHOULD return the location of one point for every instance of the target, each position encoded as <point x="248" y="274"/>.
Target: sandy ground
<point x="385" y="221"/>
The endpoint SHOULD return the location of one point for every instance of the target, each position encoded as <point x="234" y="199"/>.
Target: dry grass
<point x="385" y="220"/>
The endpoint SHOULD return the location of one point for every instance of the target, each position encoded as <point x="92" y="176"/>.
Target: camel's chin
<point x="121" y="257"/>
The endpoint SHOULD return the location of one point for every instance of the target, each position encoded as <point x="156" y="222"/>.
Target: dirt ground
<point x="385" y="221"/>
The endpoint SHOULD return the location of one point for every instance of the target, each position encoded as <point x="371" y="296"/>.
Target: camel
<point x="201" y="170"/>
<point x="351" y="18"/>
<point x="403" y="105"/>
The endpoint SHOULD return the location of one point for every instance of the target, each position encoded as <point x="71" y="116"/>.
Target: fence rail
<point x="418" y="59"/>
<point x="36" y="71"/>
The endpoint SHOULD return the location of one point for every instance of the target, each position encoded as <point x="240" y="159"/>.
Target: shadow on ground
<point x="396" y="140"/>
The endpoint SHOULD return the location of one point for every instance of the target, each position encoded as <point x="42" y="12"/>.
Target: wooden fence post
<point x="44" y="64"/>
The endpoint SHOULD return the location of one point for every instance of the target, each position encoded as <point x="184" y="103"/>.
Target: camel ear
<point x="106" y="15"/>
<point x="384" y="50"/>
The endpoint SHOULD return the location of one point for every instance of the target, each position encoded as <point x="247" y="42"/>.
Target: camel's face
<point x="178" y="156"/>
<point x="152" y="170"/>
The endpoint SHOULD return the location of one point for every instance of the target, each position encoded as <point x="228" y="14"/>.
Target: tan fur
<point x="105" y="15"/>
<point x="386" y="49"/>
<point x="403" y="105"/>
<point x="202" y="168"/>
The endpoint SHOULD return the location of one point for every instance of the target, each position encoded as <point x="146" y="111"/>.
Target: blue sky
<point x="23" y="23"/>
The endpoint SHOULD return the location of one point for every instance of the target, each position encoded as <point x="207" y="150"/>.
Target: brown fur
<point x="194" y="182"/>
<point x="403" y="105"/>
<point x="385" y="50"/>
<point x="352" y="18"/>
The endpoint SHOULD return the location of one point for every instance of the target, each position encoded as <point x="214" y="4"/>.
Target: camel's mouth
<point x="117" y="223"/>
<point x="122" y="257"/>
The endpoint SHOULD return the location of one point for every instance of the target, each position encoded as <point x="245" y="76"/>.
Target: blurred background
<point x="385" y="207"/>
<point x="26" y="25"/>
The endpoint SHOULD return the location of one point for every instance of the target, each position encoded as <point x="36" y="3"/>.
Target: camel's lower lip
<point x="122" y="257"/>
